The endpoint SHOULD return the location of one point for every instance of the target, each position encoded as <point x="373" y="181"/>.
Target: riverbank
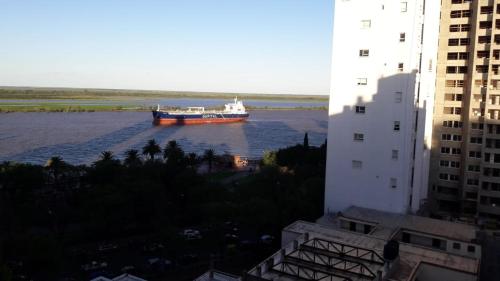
<point x="27" y="93"/>
<point x="54" y="107"/>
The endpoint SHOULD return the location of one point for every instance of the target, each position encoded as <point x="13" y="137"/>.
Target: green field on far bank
<point x="27" y="93"/>
<point x="17" y="99"/>
<point x="57" y="107"/>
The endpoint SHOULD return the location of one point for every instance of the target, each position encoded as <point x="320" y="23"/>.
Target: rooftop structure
<point x="341" y="248"/>
<point x="123" y="277"/>
<point x="214" y="275"/>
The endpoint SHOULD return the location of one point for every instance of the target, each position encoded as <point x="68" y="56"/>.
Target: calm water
<point x="80" y="137"/>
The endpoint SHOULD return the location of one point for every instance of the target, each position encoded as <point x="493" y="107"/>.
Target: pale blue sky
<point x="256" y="46"/>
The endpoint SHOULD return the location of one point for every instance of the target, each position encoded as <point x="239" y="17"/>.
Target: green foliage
<point x="209" y="156"/>
<point x="5" y="273"/>
<point x="269" y="159"/>
<point x="151" y="149"/>
<point x="109" y="200"/>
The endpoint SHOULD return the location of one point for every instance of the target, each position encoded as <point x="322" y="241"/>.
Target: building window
<point x="396" y="125"/>
<point x="367" y="228"/>
<point x="394" y="183"/>
<point x="395" y="154"/>
<point x="366" y="24"/>
<point x="476" y="140"/>
<point x="456" y="246"/>
<point x="398" y="97"/>
<point x="362" y="81"/>
<point x="402" y="37"/>
<point x="406" y="237"/>
<point x="475" y="154"/>
<point x="364" y="52"/>
<point x="445" y="150"/>
<point x="436" y="243"/>
<point x="356" y="164"/>
<point x="359" y="137"/>
<point x="471" y="249"/>
<point x="486" y="10"/>
<point x="404" y="7"/>
<point x="352" y="226"/>
<point x="474" y="168"/>
<point x="400" y="67"/>
<point x="360" y="109"/>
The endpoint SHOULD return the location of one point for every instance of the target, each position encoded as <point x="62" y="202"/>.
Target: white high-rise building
<point x="381" y="103"/>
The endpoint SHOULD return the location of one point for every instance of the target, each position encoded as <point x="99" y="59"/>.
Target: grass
<point x="25" y="93"/>
<point x="54" y="107"/>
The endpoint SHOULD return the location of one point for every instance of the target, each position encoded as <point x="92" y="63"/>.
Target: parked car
<point x="191" y="234"/>
<point x="267" y="239"/>
<point x="94" y="265"/>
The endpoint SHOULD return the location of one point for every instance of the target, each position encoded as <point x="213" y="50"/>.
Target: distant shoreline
<point x="24" y="99"/>
<point x="29" y="93"/>
<point x="107" y="108"/>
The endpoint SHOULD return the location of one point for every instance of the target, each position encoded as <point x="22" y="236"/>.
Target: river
<point x="79" y="138"/>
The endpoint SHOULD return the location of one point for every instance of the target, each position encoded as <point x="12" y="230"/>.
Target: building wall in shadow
<point x="383" y="82"/>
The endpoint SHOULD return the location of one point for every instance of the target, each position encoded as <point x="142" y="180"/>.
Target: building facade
<point x="466" y="142"/>
<point x="381" y="104"/>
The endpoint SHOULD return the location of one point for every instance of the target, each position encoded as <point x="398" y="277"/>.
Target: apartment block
<point x="465" y="159"/>
<point x="380" y="113"/>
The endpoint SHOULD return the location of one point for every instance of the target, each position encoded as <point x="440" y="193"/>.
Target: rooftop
<point x="387" y="223"/>
<point x="313" y="251"/>
<point x="123" y="277"/>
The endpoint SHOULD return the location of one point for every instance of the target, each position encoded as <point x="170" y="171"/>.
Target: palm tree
<point x="171" y="149"/>
<point x="151" y="149"/>
<point x="132" y="158"/>
<point x="209" y="156"/>
<point x="107" y="156"/>
<point x="174" y="155"/>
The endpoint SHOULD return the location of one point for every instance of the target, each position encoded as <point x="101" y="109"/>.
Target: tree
<point x="209" y="156"/>
<point x="174" y="156"/>
<point x="151" y="149"/>
<point x="192" y="160"/>
<point x="107" y="156"/>
<point x="132" y="158"/>
<point x="269" y="158"/>
<point x="306" y="141"/>
<point x="55" y="166"/>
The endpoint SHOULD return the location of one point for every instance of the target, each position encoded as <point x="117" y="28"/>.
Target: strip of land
<point x="118" y="94"/>
<point x="29" y="99"/>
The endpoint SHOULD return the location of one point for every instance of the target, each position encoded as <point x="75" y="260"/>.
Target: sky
<point x="245" y="46"/>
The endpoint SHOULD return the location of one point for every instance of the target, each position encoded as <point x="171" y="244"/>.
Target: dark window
<point x="471" y="249"/>
<point x="436" y="243"/>
<point x="456" y="246"/>
<point x="352" y="226"/>
<point x="406" y="237"/>
<point x="367" y="229"/>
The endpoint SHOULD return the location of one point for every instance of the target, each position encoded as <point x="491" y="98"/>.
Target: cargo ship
<point x="233" y="112"/>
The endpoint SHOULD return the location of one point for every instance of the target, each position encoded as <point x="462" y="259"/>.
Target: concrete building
<point x="380" y="112"/>
<point x="465" y="161"/>
<point x="351" y="245"/>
